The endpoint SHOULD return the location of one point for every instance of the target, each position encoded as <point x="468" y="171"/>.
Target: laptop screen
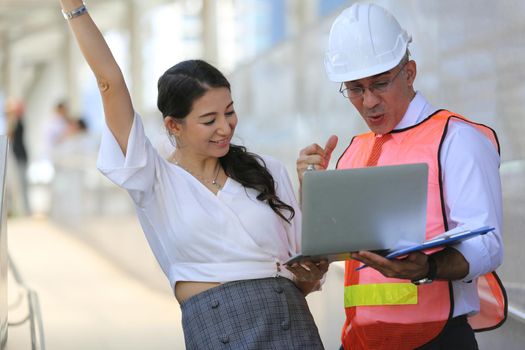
<point x="371" y="208"/>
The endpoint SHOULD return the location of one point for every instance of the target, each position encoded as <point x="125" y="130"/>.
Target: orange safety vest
<point x="388" y="313"/>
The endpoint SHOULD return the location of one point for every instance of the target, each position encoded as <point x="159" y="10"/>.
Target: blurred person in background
<point x="57" y="128"/>
<point x="424" y="301"/>
<point x="78" y="146"/>
<point x="80" y="126"/>
<point x="14" y="111"/>
<point x="219" y="220"/>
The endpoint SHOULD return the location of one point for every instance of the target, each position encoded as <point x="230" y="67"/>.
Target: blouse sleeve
<point x="133" y="171"/>
<point x="286" y="193"/>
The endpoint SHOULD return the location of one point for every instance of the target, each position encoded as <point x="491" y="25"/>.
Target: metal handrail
<point x="35" y="315"/>
<point x="516" y="313"/>
<point x="37" y="326"/>
<point x="515" y="288"/>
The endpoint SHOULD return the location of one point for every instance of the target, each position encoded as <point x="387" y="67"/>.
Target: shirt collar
<point x="418" y="110"/>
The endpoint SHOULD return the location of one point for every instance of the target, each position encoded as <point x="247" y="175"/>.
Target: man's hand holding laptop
<point x="413" y="267"/>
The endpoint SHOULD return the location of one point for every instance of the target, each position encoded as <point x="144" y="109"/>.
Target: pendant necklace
<point x="201" y="178"/>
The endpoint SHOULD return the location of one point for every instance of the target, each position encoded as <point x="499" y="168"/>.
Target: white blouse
<point x="194" y="234"/>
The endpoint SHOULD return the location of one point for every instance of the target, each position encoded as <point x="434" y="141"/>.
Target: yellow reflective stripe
<point x="380" y="294"/>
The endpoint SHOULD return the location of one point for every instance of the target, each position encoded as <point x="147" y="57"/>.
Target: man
<point x="423" y="301"/>
<point x="15" y="131"/>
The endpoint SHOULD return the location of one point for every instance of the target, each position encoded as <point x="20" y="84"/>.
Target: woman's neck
<point x="206" y="170"/>
<point x="201" y="165"/>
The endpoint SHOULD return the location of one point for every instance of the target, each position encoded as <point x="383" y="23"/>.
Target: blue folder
<point x="440" y="241"/>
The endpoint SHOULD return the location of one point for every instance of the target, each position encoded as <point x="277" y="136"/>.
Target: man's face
<point x="385" y="97"/>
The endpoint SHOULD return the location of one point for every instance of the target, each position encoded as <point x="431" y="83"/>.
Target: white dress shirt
<point x="472" y="194"/>
<point x="194" y="234"/>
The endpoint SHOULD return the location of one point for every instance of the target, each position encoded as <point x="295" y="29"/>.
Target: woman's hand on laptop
<point x="308" y="271"/>
<point x="315" y="157"/>
<point x="308" y="274"/>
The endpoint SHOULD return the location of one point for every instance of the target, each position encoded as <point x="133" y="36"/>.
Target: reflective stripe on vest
<point x="377" y="324"/>
<point x="380" y="294"/>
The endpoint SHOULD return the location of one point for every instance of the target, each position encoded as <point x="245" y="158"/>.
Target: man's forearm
<point x="451" y="265"/>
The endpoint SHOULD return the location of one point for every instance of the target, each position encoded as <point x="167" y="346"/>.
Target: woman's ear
<point x="173" y="125"/>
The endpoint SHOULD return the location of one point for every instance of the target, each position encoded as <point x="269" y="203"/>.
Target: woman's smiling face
<point x="208" y="129"/>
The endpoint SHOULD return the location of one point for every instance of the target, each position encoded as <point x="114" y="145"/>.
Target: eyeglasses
<point x="378" y="87"/>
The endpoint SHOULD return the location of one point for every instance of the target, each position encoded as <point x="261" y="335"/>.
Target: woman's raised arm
<point x="116" y="99"/>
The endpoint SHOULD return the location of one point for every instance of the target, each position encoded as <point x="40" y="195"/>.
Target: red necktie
<point x="376" y="149"/>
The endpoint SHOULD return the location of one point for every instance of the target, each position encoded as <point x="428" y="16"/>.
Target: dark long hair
<point x="178" y="88"/>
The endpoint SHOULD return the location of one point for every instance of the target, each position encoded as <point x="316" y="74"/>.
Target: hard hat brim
<point x="360" y="74"/>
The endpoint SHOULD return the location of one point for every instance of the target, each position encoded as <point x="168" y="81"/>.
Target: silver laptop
<point x="375" y="208"/>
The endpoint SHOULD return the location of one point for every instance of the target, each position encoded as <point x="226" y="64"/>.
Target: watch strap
<point x="79" y="11"/>
<point x="431" y="274"/>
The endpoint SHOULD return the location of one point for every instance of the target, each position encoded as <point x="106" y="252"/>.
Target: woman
<point x="219" y="219"/>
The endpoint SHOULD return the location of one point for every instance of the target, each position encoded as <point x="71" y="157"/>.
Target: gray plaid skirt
<point x="268" y="313"/>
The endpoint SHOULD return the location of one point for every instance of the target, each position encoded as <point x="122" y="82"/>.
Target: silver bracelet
<point x="79" y="11"/>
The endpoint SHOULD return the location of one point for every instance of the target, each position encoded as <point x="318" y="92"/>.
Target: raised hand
<point x="315" y="156"/>
<point x="118" y="108"/>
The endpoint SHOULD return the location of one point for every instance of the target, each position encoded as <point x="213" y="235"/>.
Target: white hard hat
<point x="365" y="40"/>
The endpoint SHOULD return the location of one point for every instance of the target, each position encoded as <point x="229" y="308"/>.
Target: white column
<point x="209" y="31"/>
<point x="4" y="72"/>
<point x="73" y="61"/>
<point x="300" y="15"/>
<point x="10" y="67"/>
<point x="135" y="10"/>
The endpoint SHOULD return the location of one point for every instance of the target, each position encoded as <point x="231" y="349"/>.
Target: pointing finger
<point x="329" y="148"/>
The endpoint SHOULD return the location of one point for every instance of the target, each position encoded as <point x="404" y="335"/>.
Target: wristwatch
<point x="79" y="11"/>
<point x="431" y="275"/>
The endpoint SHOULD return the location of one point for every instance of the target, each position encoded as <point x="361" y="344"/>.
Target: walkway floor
<point x="87" y="302"/>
